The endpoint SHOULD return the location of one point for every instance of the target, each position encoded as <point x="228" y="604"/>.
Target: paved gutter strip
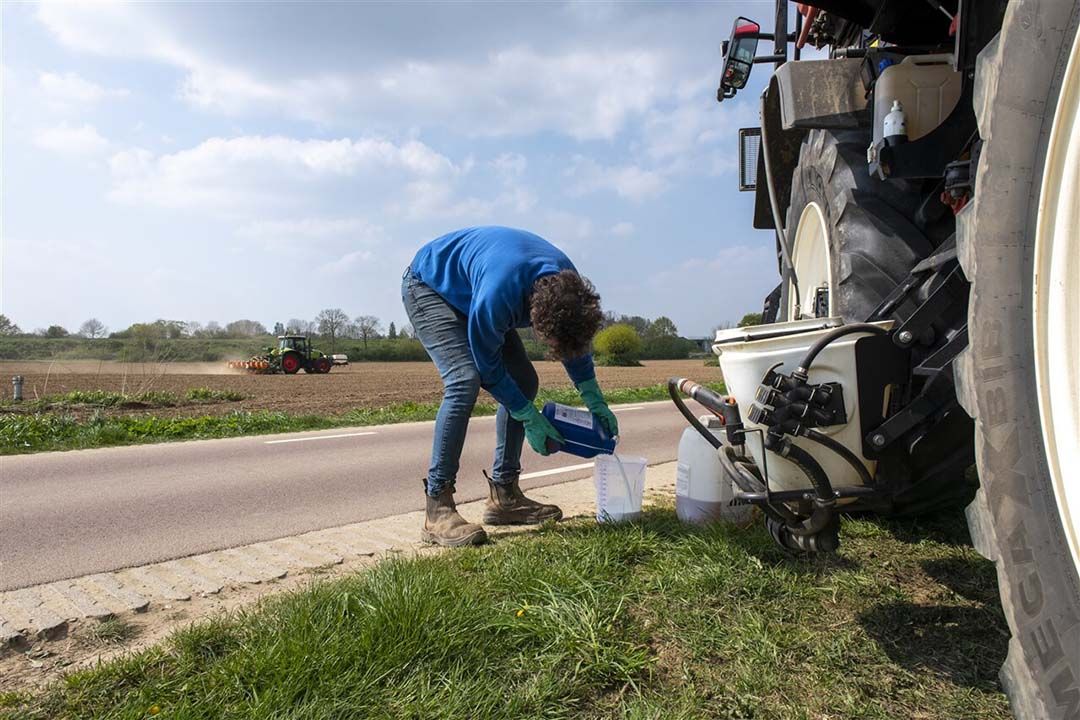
<point x="192" y="576"/>
<point x="228" y="569"/>
<point x="77" y="598"/>
<point x="155" y="582"/>
<point x="117" y="592"/>
<point x="8" y="634"/>
<point x="302" y="554"/>
<point x="45" y="610"/>
<point x="264" y="569"/>
<point x="39" y="620"/>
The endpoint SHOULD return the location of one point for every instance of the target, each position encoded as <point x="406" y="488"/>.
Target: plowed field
<point x="358" y="385"/>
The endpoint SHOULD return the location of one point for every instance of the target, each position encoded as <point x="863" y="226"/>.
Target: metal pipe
<point x="774" y="205"/>
<point x="16" y="388"/>
<point x="780" y="31"/>
<point x="800" y="40"/>
<point x="804" y="495"/>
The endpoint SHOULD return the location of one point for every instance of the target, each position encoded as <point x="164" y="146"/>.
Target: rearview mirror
<point x="739" y="55"/>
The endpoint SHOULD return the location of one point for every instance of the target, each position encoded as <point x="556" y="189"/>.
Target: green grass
<point x="648" y="620"/>
<point x="109" y="632"/>
<point x="77" y="399"/>
<point x="43" y="431"/>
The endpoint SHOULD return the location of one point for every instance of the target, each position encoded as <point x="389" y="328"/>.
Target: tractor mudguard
<point x="826" y="94"/>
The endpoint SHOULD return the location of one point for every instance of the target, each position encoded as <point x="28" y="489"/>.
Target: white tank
<point x="745" y="356"/>
<point x="703" y="492"/>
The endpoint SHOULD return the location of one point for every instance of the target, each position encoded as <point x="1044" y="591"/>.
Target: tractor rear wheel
<point x="1019" y="377"/>
<point x="291" y="363"/>
<point x="852" y="239"/>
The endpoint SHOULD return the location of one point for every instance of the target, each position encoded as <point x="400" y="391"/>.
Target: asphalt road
<point x="69" y="514"/>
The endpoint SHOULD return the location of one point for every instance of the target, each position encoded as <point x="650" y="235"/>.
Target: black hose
<point x="842" y="451"/>
<point x="810" y="467"/>
<point x="673" y="391"/>
<point x="817" y="347"/>
<point x="740" y="475"/>
<point x="748" y="483"/>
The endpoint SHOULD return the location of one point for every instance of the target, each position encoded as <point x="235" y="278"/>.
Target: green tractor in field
<point x="292" y="354"/>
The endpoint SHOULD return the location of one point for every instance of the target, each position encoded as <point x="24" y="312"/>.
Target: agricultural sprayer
<point x="921" y="179"/>
<point x="292" y="354"/>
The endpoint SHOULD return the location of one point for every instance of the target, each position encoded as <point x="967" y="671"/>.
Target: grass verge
<point x="41" y="431"/>
<point x="647" y="620"/>
<point x="77" y="399"/>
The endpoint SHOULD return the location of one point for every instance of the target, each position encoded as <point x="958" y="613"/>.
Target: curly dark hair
<point x="565" y="313"/>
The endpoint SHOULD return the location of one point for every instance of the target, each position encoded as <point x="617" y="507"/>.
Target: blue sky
<point x="216" y="161"/>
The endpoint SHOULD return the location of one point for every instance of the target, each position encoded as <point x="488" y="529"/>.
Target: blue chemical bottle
<point x="582" y="431"/>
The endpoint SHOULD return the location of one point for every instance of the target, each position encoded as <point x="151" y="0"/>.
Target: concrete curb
<point x="45" y="611"/>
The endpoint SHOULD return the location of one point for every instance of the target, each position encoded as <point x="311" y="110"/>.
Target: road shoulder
<point x="47" y="630"/>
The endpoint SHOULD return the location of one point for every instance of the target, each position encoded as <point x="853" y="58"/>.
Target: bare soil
<point x="375" y="384"/>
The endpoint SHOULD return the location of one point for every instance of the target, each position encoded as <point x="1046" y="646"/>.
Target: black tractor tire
<point x="291" y="362"/>
<point x="323" y="365"/>
<point x="1015" y="519"/>
<point x="872" y="241"/>
<point x="873" y="246"/>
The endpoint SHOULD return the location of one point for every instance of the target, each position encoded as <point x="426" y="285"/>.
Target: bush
<point x="617" y="345"/>
<point x="668" y="347"/>
<point x="386" y="350"/>
<point x="750" y="319"/>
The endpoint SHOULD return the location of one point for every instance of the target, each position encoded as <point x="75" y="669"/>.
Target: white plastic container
<point x="620" y="487"/>
<point x="703" y="491"/>
<point x="746" y="354"/>
<point x="927" y="88"/>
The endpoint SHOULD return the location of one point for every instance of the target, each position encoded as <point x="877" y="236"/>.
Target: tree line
<point x="623" y="340"/>
<point x="332" y="324"/>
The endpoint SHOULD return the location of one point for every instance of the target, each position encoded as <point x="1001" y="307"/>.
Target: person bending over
<point x="466" y="293"/>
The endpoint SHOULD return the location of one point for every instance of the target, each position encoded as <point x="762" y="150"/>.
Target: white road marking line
<point x="318" y="437"/>
<point x="627" y="409"/>
<point x="555" y="471"/>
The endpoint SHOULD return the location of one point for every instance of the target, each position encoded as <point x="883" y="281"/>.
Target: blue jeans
<point x="444" y="332"/>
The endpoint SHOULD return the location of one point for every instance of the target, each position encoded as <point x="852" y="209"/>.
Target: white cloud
<point x="347" y="262"/>
<point x="587" y="94"/>
<point x="311" y="227"/>
<point x="118" y="29"/>
<point x="434" y="199"/>
<point x="232" y="91"/>
<point x="225" y="172"/>
<point x="560" y="226"/>
<point x="584" y="93"/>
<point x="622" y="229"/>
<point x="745" y="274"/>
<point x="71" y="88"/>
<point x="67" y="140"/>
<point x="629" y="181"/>
<point x="696" y="132"/>
<point x="520" y="199"/>
<point x="510" y="165"/>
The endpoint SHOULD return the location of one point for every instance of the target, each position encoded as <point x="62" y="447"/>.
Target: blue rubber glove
<point x="594" y="400"/>
<point x="538" y="431"/>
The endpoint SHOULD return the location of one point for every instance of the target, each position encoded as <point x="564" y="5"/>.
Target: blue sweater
<point x="487" y="273"/>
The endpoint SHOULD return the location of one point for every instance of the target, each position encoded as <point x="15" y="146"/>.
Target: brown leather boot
<point x="444" y="526"/>
<point x="507" y="505"/>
